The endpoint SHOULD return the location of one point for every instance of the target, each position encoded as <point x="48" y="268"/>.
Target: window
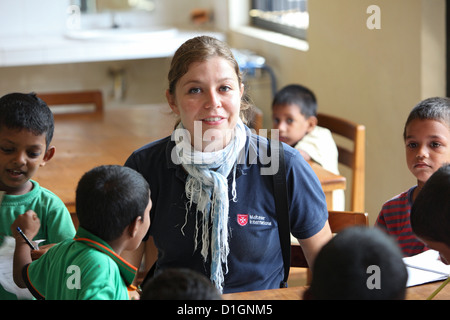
<point x="289" y="17"/>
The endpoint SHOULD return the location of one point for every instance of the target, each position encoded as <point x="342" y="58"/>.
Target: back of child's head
<point x="26" y="111"/>
<point x="430" y="213"/>
<point x="109" y="198"/>
<point x="180" y="284"/>
<point x="295" y="94"/>
<point x="436" y="108"/>
<point x="359" y="263"/>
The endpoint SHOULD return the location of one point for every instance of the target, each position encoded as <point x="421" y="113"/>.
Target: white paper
<point x="6" y="269"/>
<point x="425" y="267"/>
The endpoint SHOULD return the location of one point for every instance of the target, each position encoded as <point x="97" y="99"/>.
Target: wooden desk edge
<point x="292" y="293"/>
<point x="420" y="292"/>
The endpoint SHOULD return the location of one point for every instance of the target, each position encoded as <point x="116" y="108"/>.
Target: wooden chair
<point x="338" y="221"/>
<point x="254" y="117"/>
<point x="66" y="99"/>
<point x="354" y="159"/>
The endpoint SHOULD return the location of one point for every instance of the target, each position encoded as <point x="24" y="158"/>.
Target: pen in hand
<point x="26" y="239"/>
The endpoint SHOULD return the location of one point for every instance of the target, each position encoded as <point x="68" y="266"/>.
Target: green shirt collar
<point x="127" y="271"/>
<point x="16" y="200"/>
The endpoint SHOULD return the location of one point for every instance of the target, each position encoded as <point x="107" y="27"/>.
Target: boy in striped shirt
<point x="427" y="141"/>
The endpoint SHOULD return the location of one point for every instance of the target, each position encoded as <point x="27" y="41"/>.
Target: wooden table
<point x="84" y="141"/>
<point x="329" y="182"/>
<point x="421" y="292"/>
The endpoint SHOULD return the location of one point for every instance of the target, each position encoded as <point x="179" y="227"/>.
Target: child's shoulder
<point x="322" y="133"/>
<point x="36" y="195"/>
<point x="81" y="253"/>
<point x="401" y="198"/>
<point x="45" y="196"/>
<point x="321" y="130"/>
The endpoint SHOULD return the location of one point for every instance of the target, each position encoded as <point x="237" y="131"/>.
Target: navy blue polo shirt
<point x="255" y="261"/>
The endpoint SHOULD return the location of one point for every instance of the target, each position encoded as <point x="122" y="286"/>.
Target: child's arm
<point x="30" y="224"/>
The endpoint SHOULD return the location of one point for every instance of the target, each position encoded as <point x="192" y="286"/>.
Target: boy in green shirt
<point x="26" y="131"/>
<point x="113" y="206"/>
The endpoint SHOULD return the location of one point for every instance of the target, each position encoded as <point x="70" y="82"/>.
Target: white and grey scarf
<point x="207" y="187"/>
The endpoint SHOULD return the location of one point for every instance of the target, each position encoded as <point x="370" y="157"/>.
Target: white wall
<point x="373" y="77"/>
<point x="28" y="17"/>
<point x="145" y="80"/>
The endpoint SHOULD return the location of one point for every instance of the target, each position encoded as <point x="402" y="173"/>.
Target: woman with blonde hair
<point x="211" y="181"/>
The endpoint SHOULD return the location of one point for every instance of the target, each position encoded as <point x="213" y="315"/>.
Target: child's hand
<point x="28" y="222"/>
<point x="134" y="295"/>
<point x="442" y="258"/>
<point x="36" y="254"/>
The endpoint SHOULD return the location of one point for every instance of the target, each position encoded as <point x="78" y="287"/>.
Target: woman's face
<point x="208" y="99"/>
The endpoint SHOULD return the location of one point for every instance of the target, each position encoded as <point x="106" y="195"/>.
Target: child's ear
<point x="312" y="123"/>
<point x="48" y="155"/>
<point x="133" y="227"/>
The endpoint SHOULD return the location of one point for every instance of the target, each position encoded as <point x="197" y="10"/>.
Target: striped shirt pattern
<point x="394" y="218"/>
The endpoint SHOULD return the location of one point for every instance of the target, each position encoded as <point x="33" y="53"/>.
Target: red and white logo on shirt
<point x="242" y="219"/>
<point x="253" y="219"/>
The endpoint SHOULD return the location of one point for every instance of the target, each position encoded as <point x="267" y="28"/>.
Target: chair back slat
<point x="354" y="159"/>
<point x="338" y="221"/>
<point x="55" y="99"/>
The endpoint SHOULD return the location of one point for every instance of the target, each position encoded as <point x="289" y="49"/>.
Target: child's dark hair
<point x="27" y="111"/>
<point x="298" y="95"/>
<point x="436" y="108"/>
<point x="180" y="284"/>
<point x="109" y="198"/>
<point x="430" y="213"/>
<point x="343" y="267"/>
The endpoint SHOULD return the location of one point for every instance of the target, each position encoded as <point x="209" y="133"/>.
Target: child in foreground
<point x="427" y="140"/>
<point x="180" y="284"/>
<point x="359" y="263"/>
<point x="294" y="114"/>
<point x="430" y="213"/>
<point x="26" y="131"/>
<point x="113" y="205"/>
